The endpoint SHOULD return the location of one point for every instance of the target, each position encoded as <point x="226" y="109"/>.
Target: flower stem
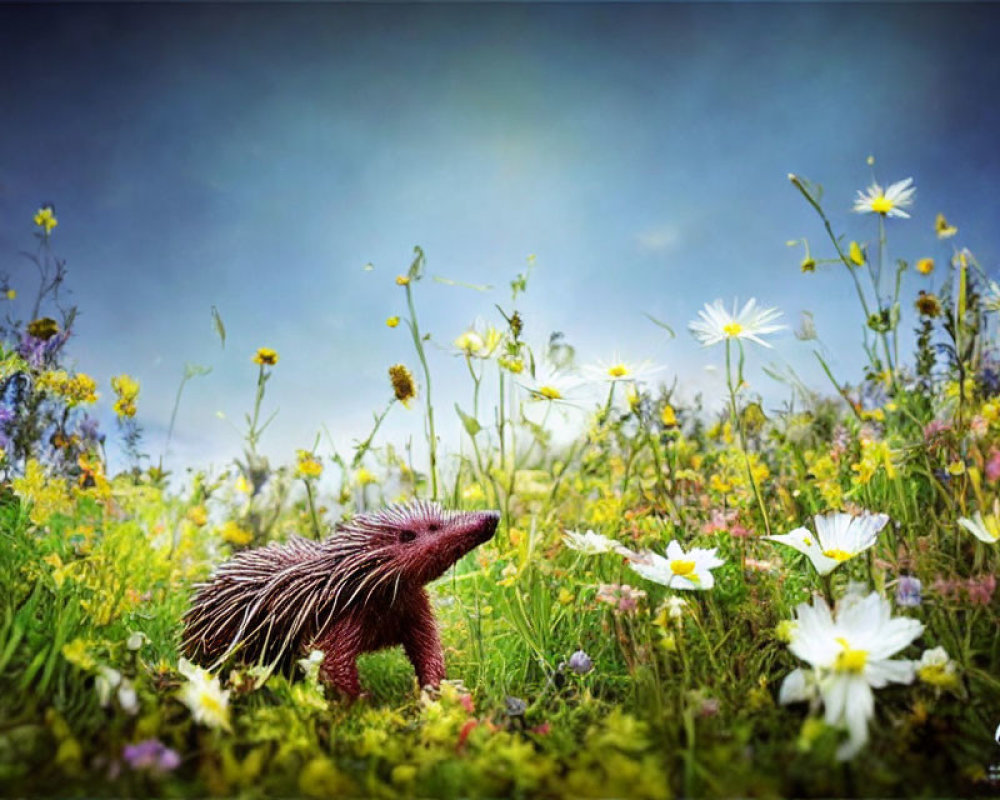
<point x="431" y="435"/>
<point x="737" y="423"/>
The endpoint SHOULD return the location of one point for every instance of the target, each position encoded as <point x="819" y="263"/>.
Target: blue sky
<point x="256" y="157"/>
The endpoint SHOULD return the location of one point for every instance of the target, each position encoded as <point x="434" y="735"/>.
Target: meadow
<point x="793" y="601"/>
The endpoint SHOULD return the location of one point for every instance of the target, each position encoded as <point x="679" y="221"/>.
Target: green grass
<point x="684" y="706"/>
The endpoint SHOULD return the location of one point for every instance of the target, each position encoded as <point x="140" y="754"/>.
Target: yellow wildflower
<point x="92" y="476"/>
<point x="668" y="416"/>
<point x="392" y="322"/>
<point x="717" y="484"/>
<point x="78" y="653"/>
<point x="943" y="229"/>
<point x="363" y="477"/>
<point x="402" y="280"/>
<point x="309" y="466"/>
<point x="197" y="515"/>
<point x="45" y="218"/>
<point x="785" y="630"/>
<point x="856" y="254"/>
<point x="473" y="493"/>
<point x="925" y="266"/>
<point x="47" y="496"/>
<point x="875" y="455"/>
<point x="265" y="356"/>
<point x="234" y="534"/>
<point x="516" y="366"/>
<point x="10" y="294"/>
<point x="127" y="390"/>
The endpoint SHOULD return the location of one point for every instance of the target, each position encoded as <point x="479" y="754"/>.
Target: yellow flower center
<point x="683" y="568"/>
<point x="838" y="555"/>
<point x="732" y="329"/>
<point x="209" y="703"/>
<point x="550" y="392"/>
<point x="881" y="204"/>
<point x="849" y="660"/>
<point x="618" y="371"/>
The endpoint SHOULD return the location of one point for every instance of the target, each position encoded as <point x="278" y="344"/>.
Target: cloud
<point x="659" y="239"/>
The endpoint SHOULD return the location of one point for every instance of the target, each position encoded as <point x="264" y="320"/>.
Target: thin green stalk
<point x="365" y="446"/>
<point x="738" y="424"/>
<point x="312" y="511"/>
<point x="418" y="344"/>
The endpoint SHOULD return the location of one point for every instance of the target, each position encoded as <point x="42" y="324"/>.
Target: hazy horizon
<point x="256" y="157"/>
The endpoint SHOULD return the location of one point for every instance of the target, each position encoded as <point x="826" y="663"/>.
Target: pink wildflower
<point x="935" y="428"/>
<point x="981" y="590"/>
<point x="623" y="597"/>
<point x="949" y="590"/>
<point x="993" y="465"/>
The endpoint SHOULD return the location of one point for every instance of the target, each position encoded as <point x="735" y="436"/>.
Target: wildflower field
<point x="678" y="601"/>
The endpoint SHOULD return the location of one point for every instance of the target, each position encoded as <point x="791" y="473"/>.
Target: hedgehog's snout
<point x="488" y="521"/>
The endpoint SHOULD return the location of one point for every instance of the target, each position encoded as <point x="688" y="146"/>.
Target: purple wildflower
<point x="908" y="591"/>
<point x="580" y="663"/>
<point x="40" y="352"/>
<point x="6" y="417"/>
<point x="151" y="754"/>
<point x="90" y="432"/>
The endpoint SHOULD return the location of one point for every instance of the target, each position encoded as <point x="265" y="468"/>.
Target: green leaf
<point x="471" y="424"/>
<point x="195" y="370"/>
<point x="417" y="265"/>
<point x="661" y="324"/>
<point x="220" y="329"/>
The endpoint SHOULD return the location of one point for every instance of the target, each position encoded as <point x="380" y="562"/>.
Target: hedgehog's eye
<point x="433" y="527"/>
<point x="407" y="536"/>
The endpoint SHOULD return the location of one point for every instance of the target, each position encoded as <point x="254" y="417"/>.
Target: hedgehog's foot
<point x="423" y="648"/>
<point x="341" y="672"/>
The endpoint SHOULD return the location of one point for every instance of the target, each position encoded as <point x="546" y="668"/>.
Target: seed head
<point x="403" y="385"/>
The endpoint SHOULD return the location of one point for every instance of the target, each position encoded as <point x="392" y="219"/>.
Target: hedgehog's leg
<point x="341" y="646"/>
<point x="422" y="643"/>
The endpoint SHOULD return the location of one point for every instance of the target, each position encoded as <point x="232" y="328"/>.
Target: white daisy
<point x="203" y="695"/>
<point x="716" y="324"/>
<point x="986" y="529"/>
<point x="549" y="384"/>
<point x="679" y="570"/>
<point x="618" y="370"/>
<point x="850" y="656"/>
<point x="838" y="537"/>
<point x="591" y="543"/>
<point x="889" y="202"/>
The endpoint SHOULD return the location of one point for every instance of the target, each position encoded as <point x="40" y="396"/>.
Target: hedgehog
<point x="359" y="590"/>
